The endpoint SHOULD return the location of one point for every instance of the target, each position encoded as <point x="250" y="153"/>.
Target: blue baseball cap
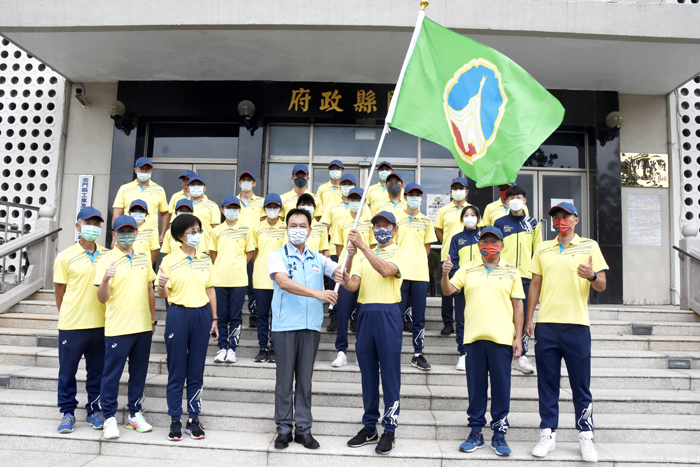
<point x="300" y="168"/>
<point x="123" y="221"/>
<point x="187" y="174"/>
<point x="336" y="162"/>
<point x="246" y="173"/>
<point x="308" y="197"/>
<point x="185" y="202"/>
<point x="412" y="186"/>
<point x="492" y="230"/>
<point x="384" y="215"/>
<point x="140" y="203"/>
<point x="385" y="163"/>
<point x="273" y="198"/>
<point x="141" y="161"/>
<point x="356" y="191"/>
<point x="395" y="174"/>
<point x="196" y="178"/>
<point x="568" y="207"/>
<point x="88" y="212"/>
<point x="229" y="200"/>
<point x="459" y="180"/>
<point x="348" y="177"/>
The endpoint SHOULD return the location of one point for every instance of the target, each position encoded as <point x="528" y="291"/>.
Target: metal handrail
<point x="23" y="206"/>
<point x="687" y="254"/>
<point x="25" y="242"/>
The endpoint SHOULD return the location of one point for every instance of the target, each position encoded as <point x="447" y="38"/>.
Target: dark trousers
<point x="526" y="338"/>
<point x="344" y="309"/>
<point x="573" y="343"/>
<point x="415" y="293"/>
<point x="252" y="305"/>
<point x="484" y="359"/>
<point x="329" y="284"/>
<point x="460" y="303"/>
<point x="447" y="301"/>
<point x="229" y="308"/>
<point x="264" y="299"/>
<point x="378" y="343"/>
<point x="72" y="346"/>
<point x="186" y="343"/>
<point x="137" y="348"/>
<point x="295" y="353"/>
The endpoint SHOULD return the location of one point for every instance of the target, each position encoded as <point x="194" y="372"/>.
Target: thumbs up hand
<point x="162" y="278"/>
<point x="447" y="266"/>
<point x="585" y="271"/>
<point x="111" y="271"/>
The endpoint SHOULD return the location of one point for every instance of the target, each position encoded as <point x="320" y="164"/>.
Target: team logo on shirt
<point x="316" y="269"/>
<point x="507" y="228"/>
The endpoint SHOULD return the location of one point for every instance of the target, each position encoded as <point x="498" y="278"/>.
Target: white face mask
<point x="272" y="213"/>
<point x="345" y="190"/>
<point x="297" y="236"/>
<point x="383" y="174"/>
<point x="309" y="209"/>
<point x="139" y="217"/>
<point x="354" y="206"/>
<point x="414" y="201"/>
<point x="143" y="176"/>
<point x="516" y="204"/>
<point x="336" y="174"/>
<point x="193" y="240"/>
<point x="246" y="186"/>
<point x="196" y="191"/>
<point x="469" y="221"/>
<point x="459" y="195"/>
<point x="231" y="214"/>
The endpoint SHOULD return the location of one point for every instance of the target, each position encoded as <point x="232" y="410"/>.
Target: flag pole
<point x="385" y="130"/>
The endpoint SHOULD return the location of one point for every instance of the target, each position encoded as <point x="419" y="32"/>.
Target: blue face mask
<point x="383" y="236"/>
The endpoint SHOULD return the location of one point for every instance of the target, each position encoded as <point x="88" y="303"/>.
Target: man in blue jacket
<point x="297" y="315"/>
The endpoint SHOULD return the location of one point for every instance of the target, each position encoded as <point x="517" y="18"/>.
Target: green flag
<point x="473" y="100"/>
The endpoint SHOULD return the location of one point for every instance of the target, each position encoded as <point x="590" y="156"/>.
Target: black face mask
<point x="300" y="182"/>
<point x="393" y="188"/>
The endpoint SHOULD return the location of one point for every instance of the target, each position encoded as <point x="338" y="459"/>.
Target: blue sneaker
<point x="95" y="420"/>
<point x="67" y="424"/>
<point x="474" y="442"/>
<point x="498" y="444"/>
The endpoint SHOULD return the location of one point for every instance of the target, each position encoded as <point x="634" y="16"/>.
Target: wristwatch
<point x="154" y="323"/>
<point x="592" y="279"/>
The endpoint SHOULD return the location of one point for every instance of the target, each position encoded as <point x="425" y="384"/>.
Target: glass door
<point x="219" y="178"/>
<point x="557" y="187"/>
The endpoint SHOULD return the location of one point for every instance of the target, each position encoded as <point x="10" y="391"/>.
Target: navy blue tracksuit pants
<point x="447" y="301"/>
<point x="264" y="299"/>
<point x="344" y="314"/>
<point x="137" y="348"/>
<point x="415" y="293"/>
<point x="378" y="342"/>
<point x="573" y="343"/>
<point x="229" y="308"/>
<point x="484" y="359"/>
<point x="186" y="342"/>
<point x="526" y="338"/>
<point x="460" y="304"/>
<point x="252" y="305"/>
<point x="72" y="345"/>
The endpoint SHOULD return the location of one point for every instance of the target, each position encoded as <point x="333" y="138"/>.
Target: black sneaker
<point x="195" y="429"/>
<point x="363" y="437"/>
<point x="175" y="431"/>
<point x="447" y="330"/>
<point x="271" y="356"/>
<point x="253" y="321"/>
<point x="261" y="356"/>
<point x="408" y="327"/>
<point x="333" y="325"/>
<point x="420" y="362"/>
<point x="386" y="443"/>
<point x="353" y="326"/>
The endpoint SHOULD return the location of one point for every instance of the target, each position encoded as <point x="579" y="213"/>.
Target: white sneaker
<point x="524" y="365"/>
<point x="109" y="429"/>
<point x="547" y="444"/>
<point x="340" y="360"/>
<point x="230" y="356"/>
<point x="460" y="363"/>
<point x="220" y="356"/>
<point x="585" y="444"/>
<point x="138" y="423"/>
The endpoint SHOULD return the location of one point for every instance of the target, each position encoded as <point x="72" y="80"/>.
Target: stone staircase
<point x="645" y="413"/>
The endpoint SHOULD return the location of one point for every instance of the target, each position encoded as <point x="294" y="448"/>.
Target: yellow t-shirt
<point x="329" y="193"/>
<point x="189" y="278"/>
<point x="377" y="194"/>
<point x="412" y="237"/>
<point x="317" y="240"/>
<point x="343" y="228"/>
<point x="173" y="202"/>
<point x="153" y="195"/>
<point x="495" y="211"/>
<point x="335" y="212"/>
<point x="128" y="310"/>
<point x="170" y="244"/>
<point x="230" y="245"/>
<point x="209" y="213"/>
<point x="289" y="202"/>
<point x="564" y="295"/>
<point x="252" y="212"/>
<point x="396" y="208"/>
<point x="377" y="289"/>
<point x="265" y="239"/>
<point x="449" y="220"/>
<point x="146" y="239"/>
<point x="80" y="308"/>
<point x="488" y="310"/>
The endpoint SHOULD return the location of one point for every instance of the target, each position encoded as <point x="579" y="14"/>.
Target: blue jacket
<point x="521" y="235"/>
<point x="464" y="247"/>
<point x="293" y="312"/>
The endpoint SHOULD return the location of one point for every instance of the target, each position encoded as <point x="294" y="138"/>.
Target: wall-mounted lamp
<point x="613" y="123"/>
<point x="81" y="95"/>
<point x="246" y="110"/>
<point x="122" y="121"/>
